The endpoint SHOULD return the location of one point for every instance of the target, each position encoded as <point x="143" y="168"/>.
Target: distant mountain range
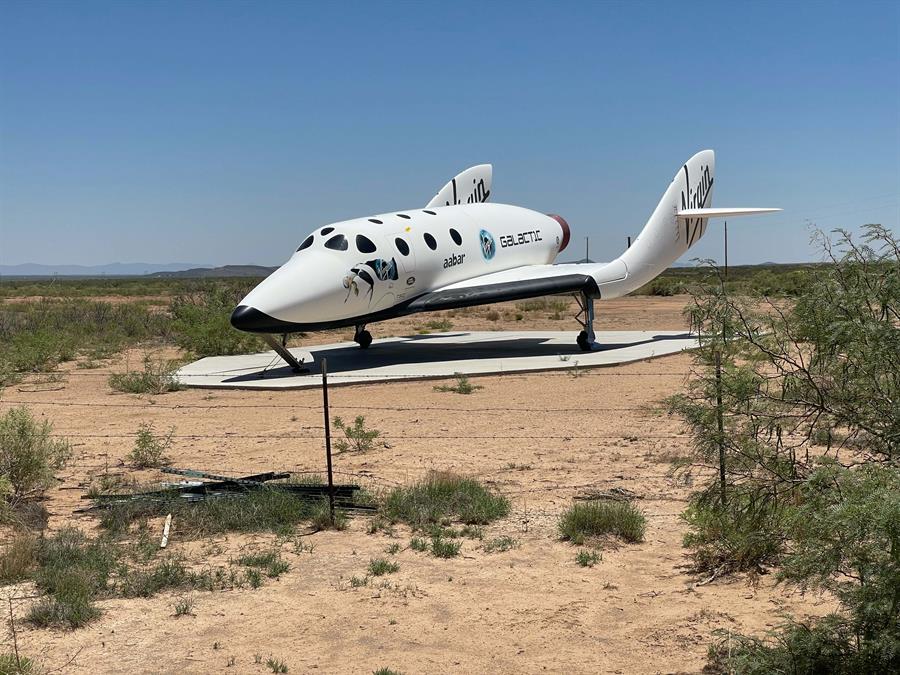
<point x="224" y="271"/>
<point x="111" y="270"/>
<point x="177" y="270"/>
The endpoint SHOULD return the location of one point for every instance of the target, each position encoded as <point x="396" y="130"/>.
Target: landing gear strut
<point x="362" y="337"/>
<point x="586" y="339"/>
<point x="282" y="351"/>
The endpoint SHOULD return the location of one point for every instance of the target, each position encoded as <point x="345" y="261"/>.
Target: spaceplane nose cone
<point x="250" y="319"/>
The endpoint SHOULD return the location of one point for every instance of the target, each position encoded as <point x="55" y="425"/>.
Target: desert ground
<point x="539" y="439"/>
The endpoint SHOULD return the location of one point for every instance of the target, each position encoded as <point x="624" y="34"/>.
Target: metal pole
<point x="587" y="257"/>
<point x="721" y="424"/>
<point x="726" y="249"/>
<point x="327" y="438"/>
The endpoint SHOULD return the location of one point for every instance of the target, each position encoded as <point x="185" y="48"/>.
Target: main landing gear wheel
<point x="586" y="339"/>
<point x="363" y="338"/>
<point x="583" y="342"/>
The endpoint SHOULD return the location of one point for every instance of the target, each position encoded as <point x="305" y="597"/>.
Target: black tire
<point x="582" y="341"/>
<point x="364" y="339"/>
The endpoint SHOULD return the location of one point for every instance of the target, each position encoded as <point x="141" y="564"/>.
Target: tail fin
<point x="677" y="223"/>
<point x="471" y="186"/>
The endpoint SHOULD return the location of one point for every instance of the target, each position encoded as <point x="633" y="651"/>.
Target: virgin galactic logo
<point x="695" y="199"/>
<point x="488" y="245"/>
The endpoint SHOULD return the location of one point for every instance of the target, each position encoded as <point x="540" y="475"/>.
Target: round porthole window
<point x="402" y="246"/>
<point x="364" y="244"/>
<point x="337" y="243"/>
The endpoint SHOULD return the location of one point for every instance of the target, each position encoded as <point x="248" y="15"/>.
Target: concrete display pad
<point x="431" y="356"/>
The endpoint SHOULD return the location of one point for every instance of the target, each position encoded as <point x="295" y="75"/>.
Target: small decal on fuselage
<point x="488" y="245"/>
<point x="369" y="272"/>
<point x="454" y="260"/>
<point x="529" y="237"/>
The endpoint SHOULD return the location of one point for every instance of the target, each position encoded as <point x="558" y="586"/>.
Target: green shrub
<point x="202" y="323"/>
<point x="597" y="518"/>
<point x="545" y="304"/>
<point x="166" y="574"/>
<point x="270" y="562"/>
<point x="320" y="518"/>
<point x="746" y="534"/>
<point x="184" y="606"/>
<point x="29" y="455"/>
<point x="276" y="665"/>
<point x="844" y="535"/>
<point x="38" y="335"/>
<point x="156" y="378"/>
<point x="445" y="548"/>
<point x="586" y="558"/>
<point x="358" y="438"/>
<point x="262" y="510"/>
<point x="149" y="451"/>
<point x="254" y="578"/>
<point x="16" y="664"/>
<point x="462" y="386"/>
<point x="381" y="566"/>
<point x="17" y="558"/>
<point x="444" y="495"/>
<point x="72" y="607"/>
<point x="72" y="571"/>
<point x="500" y="545"/>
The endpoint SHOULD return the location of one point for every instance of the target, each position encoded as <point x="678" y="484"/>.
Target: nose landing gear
<point x="362" y="337"/>
<point x="282" y="351"/>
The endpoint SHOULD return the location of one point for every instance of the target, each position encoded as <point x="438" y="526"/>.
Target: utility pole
<point x="587" y="257"/>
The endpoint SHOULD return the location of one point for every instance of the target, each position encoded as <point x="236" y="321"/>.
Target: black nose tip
<point x="250" y="319"/>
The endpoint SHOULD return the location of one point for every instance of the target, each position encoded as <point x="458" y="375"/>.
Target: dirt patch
<point x="539" y="439"/>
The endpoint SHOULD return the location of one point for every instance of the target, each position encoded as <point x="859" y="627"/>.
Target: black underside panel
<point x="513" y="290"/>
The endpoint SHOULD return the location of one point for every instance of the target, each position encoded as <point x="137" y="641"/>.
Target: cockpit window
<point x="456" y="237"/>
<point x="431" y="241"/>
<point x="364" y="244"/>
<point x="306" y="243"/>
<point x="338" y="242"/>
<point x="401" y="245"/>
<point x="326" y="230"/>
<point x="375" y="220"/>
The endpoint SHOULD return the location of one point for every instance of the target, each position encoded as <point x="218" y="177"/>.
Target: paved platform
<point x="431" y="356"/>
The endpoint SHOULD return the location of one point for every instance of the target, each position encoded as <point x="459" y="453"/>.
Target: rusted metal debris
<point x="213" y="486"/>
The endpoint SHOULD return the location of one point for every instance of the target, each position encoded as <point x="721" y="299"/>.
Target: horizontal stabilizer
<point x="685" y="214"/>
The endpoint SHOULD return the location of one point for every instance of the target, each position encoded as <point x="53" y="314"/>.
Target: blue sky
<point x="223" y="132"/>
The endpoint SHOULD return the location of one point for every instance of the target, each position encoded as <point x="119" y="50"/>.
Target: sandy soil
<point x="540" y="439"/>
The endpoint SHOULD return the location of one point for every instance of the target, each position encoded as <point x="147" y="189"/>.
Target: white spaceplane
<point x="458" y="251"/>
